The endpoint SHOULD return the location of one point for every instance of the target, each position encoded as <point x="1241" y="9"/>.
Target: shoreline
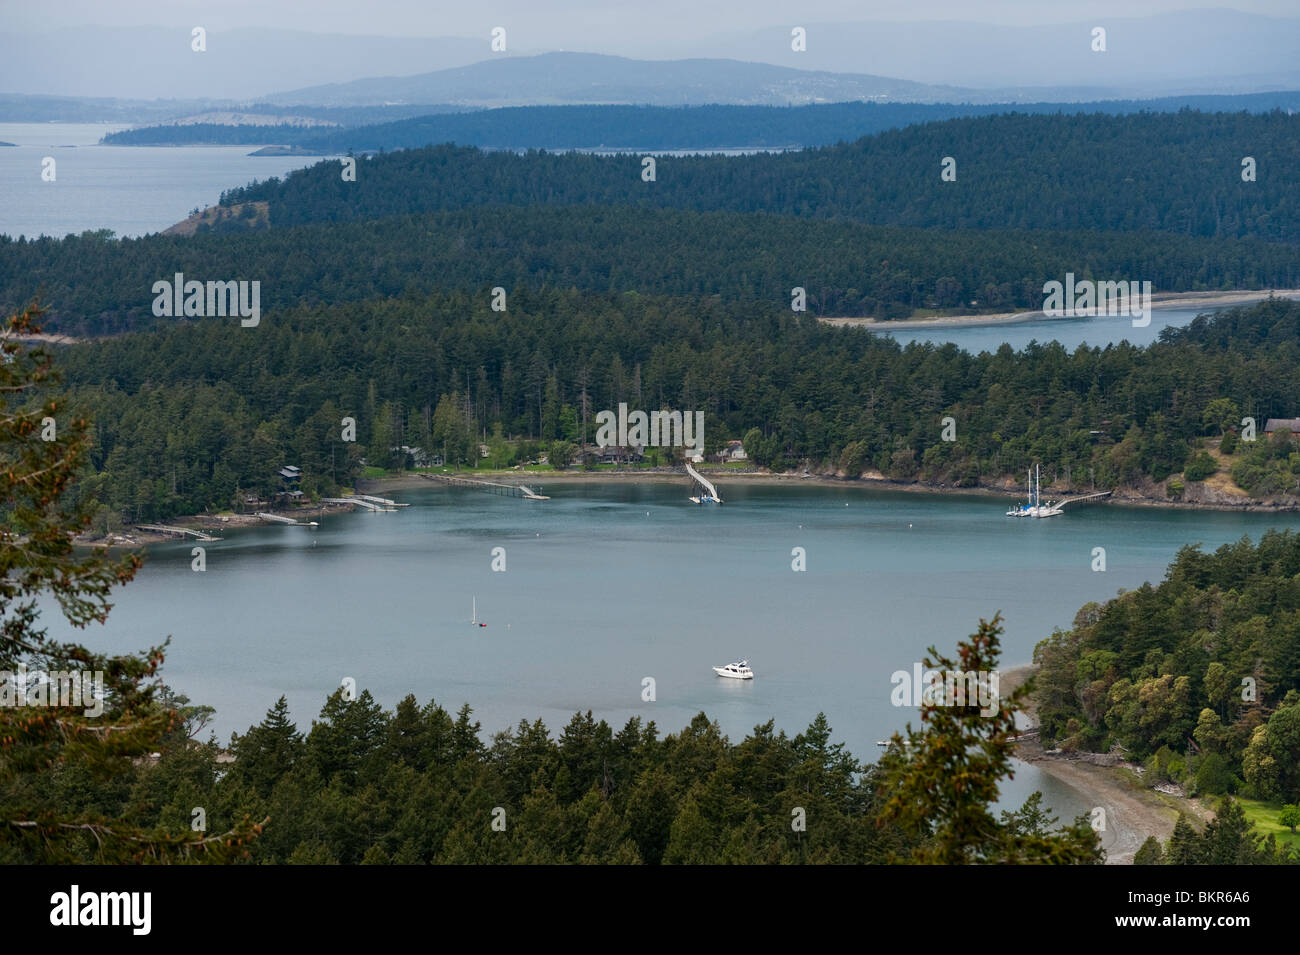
<point x="1133" y="811"/>
<point x="132" y="536"/>
<point x="1164" y="300"/>
<point x="869" y="481"/>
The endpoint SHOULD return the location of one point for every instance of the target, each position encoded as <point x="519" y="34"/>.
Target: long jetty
<point x="179" y="531"/>
<point x="508" y="490"/>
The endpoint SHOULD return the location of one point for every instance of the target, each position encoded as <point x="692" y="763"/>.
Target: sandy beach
<point x="1133" y="812"/>
<point x="1165" y="300"/>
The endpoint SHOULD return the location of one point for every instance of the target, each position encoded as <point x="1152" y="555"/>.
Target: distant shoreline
<point x="540" y="481"/>
<point x="1163" y="300"/>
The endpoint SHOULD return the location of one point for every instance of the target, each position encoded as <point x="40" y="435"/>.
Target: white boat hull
<point x="732" y="675"/>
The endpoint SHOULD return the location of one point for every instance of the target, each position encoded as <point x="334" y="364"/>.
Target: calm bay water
<point x="609" y="583"/>
<point x="133" y="190"/>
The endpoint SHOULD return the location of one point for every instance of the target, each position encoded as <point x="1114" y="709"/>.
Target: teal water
<point x="606" y="584"/>
<point x="133" y="190"/>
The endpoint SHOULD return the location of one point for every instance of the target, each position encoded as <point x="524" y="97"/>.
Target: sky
<point x="575" y="23"/>
<point x="142" y="49"/>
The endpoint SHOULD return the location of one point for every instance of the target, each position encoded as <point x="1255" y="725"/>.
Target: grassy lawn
<point x="1264" y="816"/>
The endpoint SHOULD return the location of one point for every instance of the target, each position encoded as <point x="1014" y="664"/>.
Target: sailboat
<point x="474" y="621"/>
<point x="1035" y="507"/>
<point x="1050" y="509"/>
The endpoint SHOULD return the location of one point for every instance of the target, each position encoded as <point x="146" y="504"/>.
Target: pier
<point x="378" y="500"/>
<point x="277" y="519"/>
<point x="179" y="531"/>
<point x="507" y="490"/>
<point x="702" y="485"/>
<point x="1085" y="498"/>
<point x="368" y="503"/>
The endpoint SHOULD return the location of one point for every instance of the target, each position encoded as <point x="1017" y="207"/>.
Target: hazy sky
<point x="571" y="23"/>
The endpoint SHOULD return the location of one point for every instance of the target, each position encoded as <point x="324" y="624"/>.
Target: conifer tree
<point x="942" y="780"/>
<point x="43" y="448"/>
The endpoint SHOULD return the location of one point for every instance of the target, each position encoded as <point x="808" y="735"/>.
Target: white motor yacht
<point x="736" y="671"/>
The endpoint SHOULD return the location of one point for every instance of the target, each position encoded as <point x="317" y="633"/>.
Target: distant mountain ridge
<point x="590" y="78"/>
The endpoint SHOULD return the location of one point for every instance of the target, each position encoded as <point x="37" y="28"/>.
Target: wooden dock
<point x="506" y="490"/>
<point x="178" y="531"/>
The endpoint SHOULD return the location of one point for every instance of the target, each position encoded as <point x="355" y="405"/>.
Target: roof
<point x="1275" y="424"/>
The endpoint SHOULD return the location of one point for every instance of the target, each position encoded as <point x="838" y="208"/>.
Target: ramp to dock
<point x="700" y="481"/>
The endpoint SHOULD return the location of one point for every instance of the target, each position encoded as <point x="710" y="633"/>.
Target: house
<point x="290" y="476"/>
<point x="421" y="457"/>
<point x="1280" y="424"/>
<point x="619" y="455"/>
<point x="732" y="451"/>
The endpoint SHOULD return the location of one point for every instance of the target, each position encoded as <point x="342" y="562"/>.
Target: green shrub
<point x="1200" y="467"/>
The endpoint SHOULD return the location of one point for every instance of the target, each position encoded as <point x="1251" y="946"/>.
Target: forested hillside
<point x="1173" y="172"/>
<point x="96" y="286"/>
<point x="1199" y="676"/>
<point x="186" y="417"/>
<point x="636" y="127"/>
